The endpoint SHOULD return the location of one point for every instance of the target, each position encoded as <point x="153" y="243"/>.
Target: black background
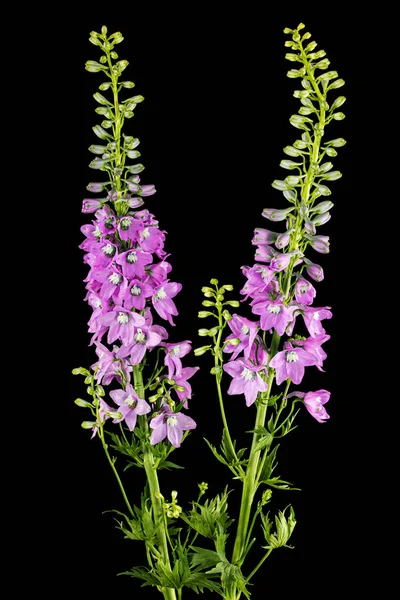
<point x="212" y="128"/>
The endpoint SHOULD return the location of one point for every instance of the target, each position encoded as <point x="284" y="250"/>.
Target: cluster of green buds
<point x="96" y="391"/>
<point x="172" y="509"/>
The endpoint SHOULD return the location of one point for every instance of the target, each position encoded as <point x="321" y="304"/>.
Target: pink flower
<point x="314" y="402"/>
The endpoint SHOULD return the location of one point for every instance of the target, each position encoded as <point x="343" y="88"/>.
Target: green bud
<point x="213" y="331"/>
<point x="93" y="66"/>
<point x="117" y="37"/>
<point x="90" y="390"/>
<point x="103" y="59"/>
<point x="101" y="133"/>
<point x="97" y="149"/>
<point x="127" y="84"/>
<point x="227" y="315"/>
<point x="179" y="388"/>
<point x="202" y="314"/>
<point x="160" y="391"/>
<point x="133" y="153"/>
<point x="100" y="391"/>
<point x="206" y="289"/>
<point x="153" y="399"/>
<point x="115" y="414"/>
<point x="82" y="403"/>
<point x="306" y="36"/>
<point x="114" y="55"/>
<point x="88" y="380"/>
<point x="337" y="143"/>
<point x="208" y="303"/>
<point x="287" y="30"/>
<point x="121" y="66"/>
<point x="266" y="497"/>
<point x="203" y="332"/>
<point x="214" y="281"/>
<point x="339" y="116"/>
<point x="209" y="294"/>
<point x="94" y="34"/>
<point x="138" y="99"/>
<point x="88" y="424"/>
<point x="95" y="41"/>
<point x="104" y="30"/>
<point x="331" y="152"/>
<point x="203" y="486"/>
<point x="232" y="342"/>
<point x="228" y="288"/>
<point x="107" y="124"/>
<point x="101" y="100"/>
<point x="293" y="57"/>
<point x="338" y="102"/>
<point x="201" y="350"/>
<point x="80" y="371"/>
<point x="301" y="26"/>
<point x="216" y="370"/>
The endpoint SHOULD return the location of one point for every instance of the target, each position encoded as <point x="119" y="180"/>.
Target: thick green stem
<point x="154" y="487"/>
<point x="249" y="486"/>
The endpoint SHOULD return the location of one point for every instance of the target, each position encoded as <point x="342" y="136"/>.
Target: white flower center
<point x="108" y="249"/>
<point x="248" y="375"/>
<point x="303" y="289"/>
<point x="131" y="402"/>
<point x="318" y="401"/>
<point x="98" y="304"/>
<point x="316" y="316"/>
<point x="172" y="421"/>
<point x="132" y="258"/>
<point x="125" y="223"/>
<point x="175" y="351"/>
<point x="135" y="290"/>
<point x="245" y="330"/>
<point x="140" y="337"/>
<point x="145" y="233"/>
<point x="292" y="357"/>
<point x="97" y="232"/>
<point x="123" y="318"/>
<point x="160" y="295"/>
<point x="275" y="309"/>
<point x="115" y="278"/>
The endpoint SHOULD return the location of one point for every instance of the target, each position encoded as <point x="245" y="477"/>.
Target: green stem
<point x="259" y="565"/>
<point x="154" y="487"/>
<point x="111" y="461"/>
<point x="249" y="487"/>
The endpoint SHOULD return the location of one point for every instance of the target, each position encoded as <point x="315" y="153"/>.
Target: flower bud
<point x="263" y="236"/>
<point x="315" y="271"/>
<point x="322" y="207"/>
<point x="272" y="214"/>
<point x="201" y="350"/>
<point x="321" y="219"/>
<point x="283" y="239"/>
<point x="88" y="424"/>
<point x="320" y="243"/>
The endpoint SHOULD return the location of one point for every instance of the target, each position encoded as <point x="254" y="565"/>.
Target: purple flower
<point x="144" y="338"/>
<point x="263" y="237"/>
<point x="130" y="406"/>
<point x="129" y="229"/>
<point x="147" y="190"/>
<point x="108" y="366"/>
<point x="312" y="318"/>
<point x="113" y="283"/>
<point x="151" y="239"/>
<point x="246" y="379"/>
<point x="258" y="278"/>
<point x="158" y="273"/>
<point x="272" y="214"/>
<point x="320" y="243"/>
<point x="281" y="261"/>
<point x="304" y="291"/>
<point x="104" y="252"/>
<point x="290" y="363"/>
<point x="162" y="300"/>
<point x="122" y="324"/>
<point x="171" y="425"/>
<point x="265" y="253"/>
<point x="136" y="294"/>
<point x="133" y="262"/>
<point x="245" y="331"/>
<point x="315" y="401"/>
<point x="172" y="360"/>
<point x="182" y="380"/>
<point x="314" y="346"/>
<point x="314" y="271"/>
<point x="90" y="205"/>
<point x="273" y="314"/>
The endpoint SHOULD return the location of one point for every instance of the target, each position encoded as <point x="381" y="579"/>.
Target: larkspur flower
<point x="263" y="237"/>
<point x="108" y="366"/>
<point x="144" y="338"/>
<point x="273" y="314"/>
<point x="312" y="318"/>
<point x="122" y="324"/>
<point x="246" y="379"/>
<point x="162" y="300"/>
<point x="314" y="346"/>
<point x="171" y="425"/>
<point x="129" y="228"/>
<point x="314" y="271"/>
<point x="304" y="291"/>
<point x="136" y="294"/>
<point x="185" y="374"/>
<point x="291" y="363"/>
<point x="244" y="330"/>
<point x="129" y="405"/>
<point x="314" y="403"/>
<point x="133" y="262"/>
<point x="258" y="278"/>
<point x="174" y="353"/>
<point x="90" y="205"/>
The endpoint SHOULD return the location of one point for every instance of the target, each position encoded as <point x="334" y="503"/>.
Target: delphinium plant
<point x="138" y="389"/>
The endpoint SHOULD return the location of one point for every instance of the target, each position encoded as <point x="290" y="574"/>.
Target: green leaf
<point x="283" y="529"/>
<point x="203" y="558"/>
<point x="264" y="442"/>
<point x="269" y="465"/>
<point x="167" y="464"/>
